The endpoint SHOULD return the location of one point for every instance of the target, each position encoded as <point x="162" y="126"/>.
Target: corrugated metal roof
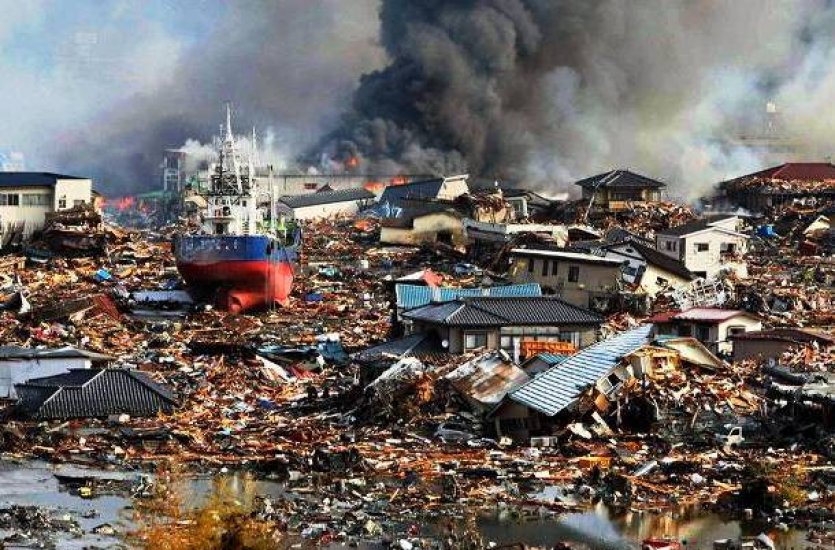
<point x="412" y="296"/>
<point x="558" y="387"/>
<point x="552" y="358"/>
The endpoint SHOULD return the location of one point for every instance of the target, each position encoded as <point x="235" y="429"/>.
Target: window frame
<point x="574" y="274"/>
<point x="476" y="334"/>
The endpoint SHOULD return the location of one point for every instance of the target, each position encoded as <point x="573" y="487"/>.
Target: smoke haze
<point x="539" y="92"/>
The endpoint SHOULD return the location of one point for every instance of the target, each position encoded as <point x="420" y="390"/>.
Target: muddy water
<point x="600" y="528"/>
<point x="34" y="483"/>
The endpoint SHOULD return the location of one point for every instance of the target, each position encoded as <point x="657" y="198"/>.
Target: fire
<point x="121" y="204"/>
<point x="352" y="162"/>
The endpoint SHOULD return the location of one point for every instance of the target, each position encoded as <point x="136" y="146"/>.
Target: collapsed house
<point x="713" y="327"/>
<point x="603" y="380"/>
<point x="765" y="344"/>
<point x="781" y="185"/>
<point x="647" y="269"/>
<point x="580" y="279"/>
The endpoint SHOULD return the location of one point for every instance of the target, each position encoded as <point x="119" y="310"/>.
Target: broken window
<point x="661" y="281"/>
<point x="573" y="273"/>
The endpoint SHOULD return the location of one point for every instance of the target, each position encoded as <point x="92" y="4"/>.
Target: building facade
<point x="575" y="277"/>
<point x="26" y="198"/>
<point x="707" y="246"/>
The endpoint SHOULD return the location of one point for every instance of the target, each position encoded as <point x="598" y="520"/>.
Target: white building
<point x="711" y="326"/>
<point x="26" y="198"/>
<point x="707" y="246"/>
<point x="17" y="364"/>
<point x="648" y="269"/>
<point x="325" y="204"/>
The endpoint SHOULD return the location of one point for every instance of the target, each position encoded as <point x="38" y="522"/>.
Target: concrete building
<point x="575" y="277"/>
<point x="174" y="170"/>
<point x="18" y="364"/>
<point x="707" y="246"/>
<point x="26" y="198"/>
<point x="325" y="204"/>
<point x="646" y="268"/>
<point x="612" y="190"/>
<point x="711" y="326"/>
<point x="505" y="323"/>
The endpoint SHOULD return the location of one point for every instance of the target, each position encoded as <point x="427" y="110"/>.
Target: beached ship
<point x="244" y="258"/>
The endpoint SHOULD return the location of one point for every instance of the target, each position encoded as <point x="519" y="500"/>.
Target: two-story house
<point x="707" y="246"/>
<point x="612" y="190"/>
<point x="506" y="323"/>
<point x="575" y="277"/>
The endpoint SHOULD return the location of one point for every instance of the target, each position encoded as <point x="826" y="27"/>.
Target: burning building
<point x="781" y="185"/>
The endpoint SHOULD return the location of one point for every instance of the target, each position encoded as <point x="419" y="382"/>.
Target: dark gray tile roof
<point x="93" y="393"/>
<point x="505" y="311"/>
<point x="414" y="345"/>
<point x="623" y="179"/>
<point x="694" y="226"/>
<point x="428" y="189"/>
<point x="32" y="179"/>
<point x="326" y="197"/>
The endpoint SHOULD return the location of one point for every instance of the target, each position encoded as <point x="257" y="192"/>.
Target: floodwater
<point x="600" y="528"/>
<point x="34" y="483"/>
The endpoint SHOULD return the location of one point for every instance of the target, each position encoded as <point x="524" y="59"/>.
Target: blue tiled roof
<point x="558" y="387"/>
<point x="412" y="296"/>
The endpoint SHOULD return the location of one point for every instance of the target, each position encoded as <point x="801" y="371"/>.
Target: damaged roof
<point x="326" y="197"/>
<point x="696" y="225"/>
<point x="94" y="393"/>
<point x="622" y="179"/>
<point x="558" y="387"/>
<point x="66" y="352"/>
<point x="422" y="344"/>
<point x="656" y="258"/>
<point x="789" y="171"/>
<point x="505" y="311"/>
<point x="487" y="379"/>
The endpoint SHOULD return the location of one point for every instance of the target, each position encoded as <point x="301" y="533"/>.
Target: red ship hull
<point x="245" y="284"/>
